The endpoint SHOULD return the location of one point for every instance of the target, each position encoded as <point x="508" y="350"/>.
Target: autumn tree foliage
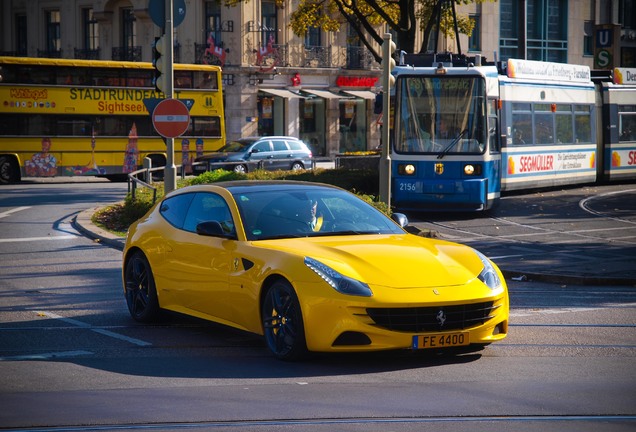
<point x="404" y="17"/>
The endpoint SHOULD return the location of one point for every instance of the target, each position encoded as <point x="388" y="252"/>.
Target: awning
<point x="282" y="93"/>
<point x="325" y="94"/>
<point x="364" y="94"/>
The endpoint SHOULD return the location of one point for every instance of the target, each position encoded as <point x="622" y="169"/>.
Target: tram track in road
<point x="496" y="423"/>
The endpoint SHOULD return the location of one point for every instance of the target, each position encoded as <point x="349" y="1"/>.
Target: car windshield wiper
<point x="452" y="144"/>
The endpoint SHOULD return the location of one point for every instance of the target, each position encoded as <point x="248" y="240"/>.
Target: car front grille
<point x="435" y="318"/>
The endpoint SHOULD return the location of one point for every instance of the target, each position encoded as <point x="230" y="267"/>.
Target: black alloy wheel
<point x="141" y="293"/>
<point x="283" y="322"/>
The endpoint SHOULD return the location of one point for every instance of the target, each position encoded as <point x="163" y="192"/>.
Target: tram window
<point x="519" y="106"/>
<point x="583" y="128"/>
<point x="564" y="132"/>
<point x="544" y="128"/>
<point x="627" y="127"/>
<point x="522" y="128"/>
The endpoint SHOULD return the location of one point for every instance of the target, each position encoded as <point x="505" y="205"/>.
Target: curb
<point x="84" y="224"/>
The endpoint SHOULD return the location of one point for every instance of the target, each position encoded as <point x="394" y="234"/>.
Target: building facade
<point x="320" y="87"/>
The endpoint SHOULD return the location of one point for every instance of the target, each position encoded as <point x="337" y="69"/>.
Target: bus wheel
<point x="9" y="170"/>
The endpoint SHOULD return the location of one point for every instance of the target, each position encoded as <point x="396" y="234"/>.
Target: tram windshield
<point x="440" y="115"/>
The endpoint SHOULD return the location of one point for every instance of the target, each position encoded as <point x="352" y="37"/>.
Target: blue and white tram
<point x="463" y="133"/>
<point x="617" y="102"/>
<point x="445" y="153"/>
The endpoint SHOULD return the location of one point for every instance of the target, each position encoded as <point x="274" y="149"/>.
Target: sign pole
<point x="170" y="171"/>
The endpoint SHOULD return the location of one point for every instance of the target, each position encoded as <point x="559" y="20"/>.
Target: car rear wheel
<point x="283" y="322"/>
<point x="241" y="169"/>
<point x="140" y="290"/>
<point x="297" y="166"/>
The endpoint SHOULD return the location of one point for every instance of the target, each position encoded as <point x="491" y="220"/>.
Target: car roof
<point x="242" y="186"/>
<point x="256" y="138"/>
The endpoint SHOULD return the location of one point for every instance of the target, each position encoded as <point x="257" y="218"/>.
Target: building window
<point x="547" y="29"/>
<point x="90" y="30"/>
<point x="627" y="14"/>
<point x="128" y="28"/>
<point x="90" y="36"/>
<point x="53" y="38"/>
<point x="21" y="34"/>
<point x="474" y="41"/>
<point x="588" y="38"/>
<point x="312" y="37"/>
<point x="213" y="22"/>
<point x="269" y="22"/>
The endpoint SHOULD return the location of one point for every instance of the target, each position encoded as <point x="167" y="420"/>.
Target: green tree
<point x="404" y="17"/>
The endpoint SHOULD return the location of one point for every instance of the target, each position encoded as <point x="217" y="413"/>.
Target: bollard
<point x="147" y="163"/>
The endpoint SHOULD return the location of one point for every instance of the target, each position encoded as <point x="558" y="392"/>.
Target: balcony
<point x="127" y="53"/>
<point x="50" y="53"/>
<point x="87" y="54"/>
<point x="318" y="56"/>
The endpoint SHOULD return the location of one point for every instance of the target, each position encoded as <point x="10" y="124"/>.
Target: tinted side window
<point x="279" y="145"/>
<point x="262" y="147"/>
<point x="295" y="145"/>
<point x="174" y="209"/>
<point x="207" y="207"/>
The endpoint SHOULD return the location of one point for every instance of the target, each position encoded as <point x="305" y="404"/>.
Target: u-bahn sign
<point x="171" y="118"/>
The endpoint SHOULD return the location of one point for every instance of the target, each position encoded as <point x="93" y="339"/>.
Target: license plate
<point x="441" y="340"/>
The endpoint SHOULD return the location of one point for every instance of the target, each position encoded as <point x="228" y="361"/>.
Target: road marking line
<point x="96" y="330"/>
<point x="46" y="356"/>
<point x="9" y="212"/>
<point x="28" y="239"/>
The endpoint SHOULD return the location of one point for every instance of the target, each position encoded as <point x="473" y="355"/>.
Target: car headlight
<point x="488" y="275"/>
<point x="338" y="281"/>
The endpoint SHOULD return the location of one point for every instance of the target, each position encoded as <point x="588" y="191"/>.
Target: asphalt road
<point x="71" y="357"/>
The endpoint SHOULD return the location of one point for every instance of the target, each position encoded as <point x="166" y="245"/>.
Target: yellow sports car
<point x="312" y="268"/>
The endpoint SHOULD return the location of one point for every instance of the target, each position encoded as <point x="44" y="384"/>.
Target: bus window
<point x="182" y="79"/>
<point x="206" y="126"/>
<point x="205" y="80"/>
<point x="138" y="78"/>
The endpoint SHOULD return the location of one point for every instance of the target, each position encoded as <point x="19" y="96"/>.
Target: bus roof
<point x="33" y="61"/>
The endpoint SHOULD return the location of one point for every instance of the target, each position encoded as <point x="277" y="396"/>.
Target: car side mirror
<point x="212" y="229"/>
<point x="400" y="218"/>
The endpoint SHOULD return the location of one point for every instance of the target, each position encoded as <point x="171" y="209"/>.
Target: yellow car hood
<point x="397" y="261"/>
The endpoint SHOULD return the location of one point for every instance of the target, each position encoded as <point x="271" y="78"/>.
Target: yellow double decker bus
<point x="61" y="117"/>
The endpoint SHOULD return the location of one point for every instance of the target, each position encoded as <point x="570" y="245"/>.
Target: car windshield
<point x="235" y="147"/>
<point x="309" y="212"/>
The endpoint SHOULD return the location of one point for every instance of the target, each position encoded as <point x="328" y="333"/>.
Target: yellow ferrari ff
<point x="312" y="268"/>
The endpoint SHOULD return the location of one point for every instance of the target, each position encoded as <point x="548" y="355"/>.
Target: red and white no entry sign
<point x="171" y="118"/>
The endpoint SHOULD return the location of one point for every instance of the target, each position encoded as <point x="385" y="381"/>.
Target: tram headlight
<point x="472" y="169"/>
<point x="406" y="169"/>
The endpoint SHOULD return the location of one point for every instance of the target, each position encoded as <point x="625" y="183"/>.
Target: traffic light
<point x="388" y="62"/>
<point x="160" y="62"/>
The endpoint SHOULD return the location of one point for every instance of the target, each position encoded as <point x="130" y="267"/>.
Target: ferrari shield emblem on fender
<point x="439" y="168"/>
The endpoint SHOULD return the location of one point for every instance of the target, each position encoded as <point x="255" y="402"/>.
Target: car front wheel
<point x="283" y="322"/>
<point x="140" y="290"/>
